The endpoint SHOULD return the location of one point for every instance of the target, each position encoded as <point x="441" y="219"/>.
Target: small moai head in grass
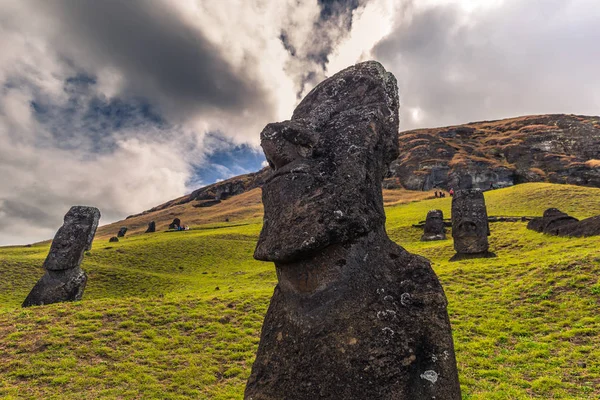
<point x="470" y="227"/>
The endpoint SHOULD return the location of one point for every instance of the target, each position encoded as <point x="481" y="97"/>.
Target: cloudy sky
<point x="126" y="104"/>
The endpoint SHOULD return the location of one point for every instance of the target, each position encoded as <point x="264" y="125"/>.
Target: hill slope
<point x="541" y="148"/>
<point x="153" y="325"/>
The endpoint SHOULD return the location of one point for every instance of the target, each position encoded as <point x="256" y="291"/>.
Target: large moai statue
<point x="354" y="316"/>
<point x="434" y="228"/>
<point x="64" y="280"/>
<point x="470" y="227"/>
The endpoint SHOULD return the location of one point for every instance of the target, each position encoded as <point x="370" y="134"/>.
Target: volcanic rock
<point x="64" y="280"/>
<point x="558" y="223"/>
<point x="113" y="239"/>
<point x="584" y="228"/>
<point x="122" y="231"/>
<point x="151" y="227"/>
<point x="434" y="228"/>
<point x="354" y="315"/>
<point x="470" y="228"/>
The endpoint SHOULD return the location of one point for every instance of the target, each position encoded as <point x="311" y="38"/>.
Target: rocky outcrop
<point x="470" y="228"/>
<point x="492" y="154"/>
<point x="434" y="228"/>
<point x="64" y="280"/>
<point x="558" y="223"/>
<point x="354" y="315"/>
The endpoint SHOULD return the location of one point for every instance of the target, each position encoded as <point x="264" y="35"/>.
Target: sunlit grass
<point x="154" y="325"/>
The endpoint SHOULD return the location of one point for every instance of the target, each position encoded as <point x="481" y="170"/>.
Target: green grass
<point x="152" y="324"/>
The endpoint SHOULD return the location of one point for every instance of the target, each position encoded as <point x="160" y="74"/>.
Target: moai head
<point x="434" y="226"/>
<point x="329" y="161"/>
<point x="73" y="238"/>
<point x="470" y="227"/>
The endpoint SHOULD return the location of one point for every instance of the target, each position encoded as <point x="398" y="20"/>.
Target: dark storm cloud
<point x="520" y="58"/>
<point x="160" y="55"/>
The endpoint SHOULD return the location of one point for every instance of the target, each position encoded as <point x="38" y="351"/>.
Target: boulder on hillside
<point x="64" y="279"/>
<point x="122" y="231"/>
<point x="113" y="239"/>
<point x="354" y="316"/>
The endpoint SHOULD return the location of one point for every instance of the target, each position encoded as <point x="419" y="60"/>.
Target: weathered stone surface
<point x="175" y="224"/>
<point x="64" y="280"/>
<point x="434" y="228"/>
<point x="122" y="231"/>
<point x="354" y="316"/>
<point x="470" y="228"/>
<point x="151" y="227"/>
<point x="113" y="239"/>
<point x="558" y="223"/>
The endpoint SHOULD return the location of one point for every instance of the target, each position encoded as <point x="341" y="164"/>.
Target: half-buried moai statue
<point x="434" y="228"/>
<point x="354" y="316"/>
<point x="122" y="231"/>
<point x="64" y="280"/>
<point x="151" y="227"/>
<point x="470" y="227"/>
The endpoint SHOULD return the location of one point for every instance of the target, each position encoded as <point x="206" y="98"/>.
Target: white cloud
<point x="231" y="67"/>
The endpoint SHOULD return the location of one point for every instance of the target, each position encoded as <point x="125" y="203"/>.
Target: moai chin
<point x="470" y="227"/>
<point x="434" y="228"/>
<point x="64" y="280"/>
<point x="354" y="315"/>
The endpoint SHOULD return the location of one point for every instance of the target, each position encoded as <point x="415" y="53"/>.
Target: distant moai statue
<point x="354" y="316"/>
<point x="470" y="227"/>
<point x="434" y="228"/>
<point x="64" y="279"/>
<point x="151" y="227"/>
<point x="175" y="224"/>
<point x="122" y="231"/>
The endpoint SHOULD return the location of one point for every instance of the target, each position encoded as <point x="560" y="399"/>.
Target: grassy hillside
<point x="244" y="208"/>
<point x="178" y="315"/>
